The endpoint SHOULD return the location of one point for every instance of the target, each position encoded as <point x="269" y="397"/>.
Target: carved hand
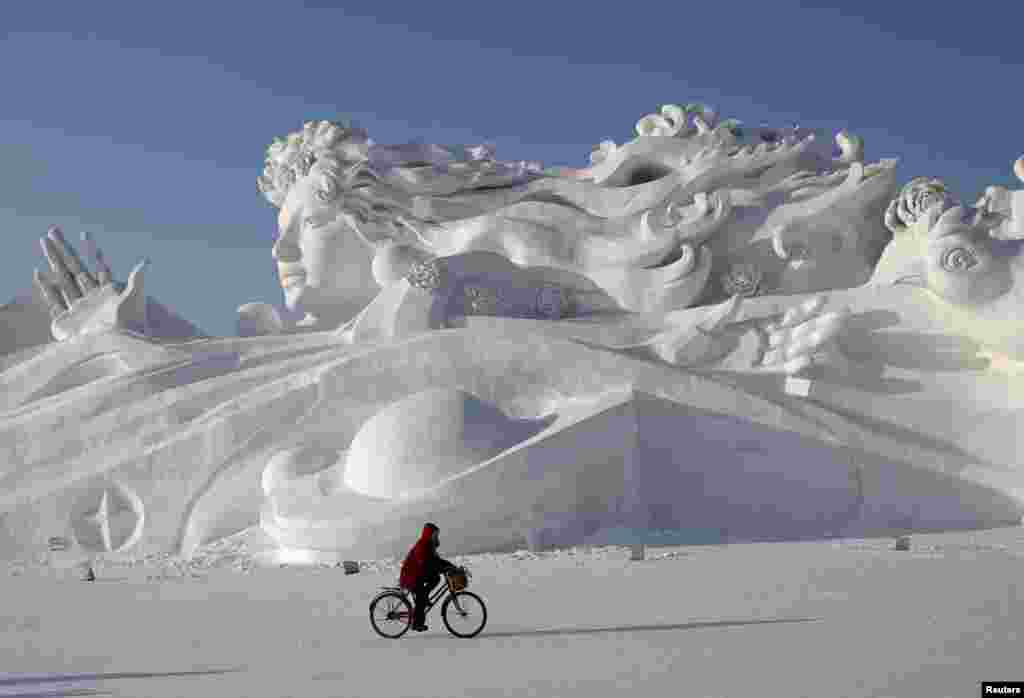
<point x="81" y="303"/>
<point x="803" y="337"/>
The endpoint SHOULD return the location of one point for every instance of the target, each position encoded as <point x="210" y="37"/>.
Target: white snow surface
<point x="824" y="618"/>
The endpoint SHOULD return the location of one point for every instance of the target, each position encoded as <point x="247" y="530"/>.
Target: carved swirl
<point x="671" y="121"/>
<point x="674" y="120"/>
<point x="958" y="259"/>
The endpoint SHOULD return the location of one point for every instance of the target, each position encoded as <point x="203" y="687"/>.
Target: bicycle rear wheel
<point x="464" y="614"/>
<point x="391" y="615"/>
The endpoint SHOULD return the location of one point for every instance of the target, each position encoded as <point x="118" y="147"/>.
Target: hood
<point x="428" y="531"/>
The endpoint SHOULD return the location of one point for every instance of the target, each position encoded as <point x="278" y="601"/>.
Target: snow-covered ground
<point x="830" y="618"/>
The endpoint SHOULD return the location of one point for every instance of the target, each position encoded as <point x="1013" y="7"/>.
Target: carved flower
<point x="429" y="275"/>
<point x="481" y="300"/>
<point x="552" y="302"/>
<point x="741" y="280"/>
<point x="916" y="198"/>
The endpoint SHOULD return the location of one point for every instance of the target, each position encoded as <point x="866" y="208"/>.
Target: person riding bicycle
<point x="421" y="572"/>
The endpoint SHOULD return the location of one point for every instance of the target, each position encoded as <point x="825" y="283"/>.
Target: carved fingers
<point x="102" y="269"/>
<point x="68" y="275"/>
<point x="60" y="267"/>
<point x="49" y="290"/>
<point x="85" y="280"/>
<point x="804" y="336"/>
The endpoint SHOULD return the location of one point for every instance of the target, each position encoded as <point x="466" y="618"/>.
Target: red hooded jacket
<point x="417" y="560"/>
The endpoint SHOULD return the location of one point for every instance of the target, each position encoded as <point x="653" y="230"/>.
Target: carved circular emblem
<point x="741" y="280"/>
<point x="108" y="517"/>
<point x="552" y="302"/>
<point x="481" y="300"/>
<point x="428" y="275"/>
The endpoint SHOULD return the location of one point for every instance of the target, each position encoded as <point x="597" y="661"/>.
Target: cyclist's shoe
<point x="420" y="628"/>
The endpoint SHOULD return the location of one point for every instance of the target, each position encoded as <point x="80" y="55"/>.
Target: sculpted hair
<point x="335" y="148"/>
<point x="375" y="186"/>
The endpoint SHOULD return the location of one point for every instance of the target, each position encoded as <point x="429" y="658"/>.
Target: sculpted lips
<point x="291" y="275"/>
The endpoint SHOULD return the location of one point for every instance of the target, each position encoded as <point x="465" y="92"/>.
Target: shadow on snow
<point x="637" y="628"/>
<point x="40" y="681"/>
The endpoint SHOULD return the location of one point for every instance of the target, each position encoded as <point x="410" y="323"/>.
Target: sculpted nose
<point x="285" y="250"/>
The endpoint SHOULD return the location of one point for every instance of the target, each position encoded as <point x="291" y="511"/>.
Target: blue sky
<point x="146" y="123"/>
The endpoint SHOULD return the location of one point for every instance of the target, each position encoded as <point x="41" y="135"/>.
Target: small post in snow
<point x="86" y="572"/>
<point x="637" y="552"/>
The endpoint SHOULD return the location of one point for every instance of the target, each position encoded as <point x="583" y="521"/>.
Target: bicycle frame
<point x="437" y="595"/>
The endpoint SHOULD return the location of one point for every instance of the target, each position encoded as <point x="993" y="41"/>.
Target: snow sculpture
<point x="529" y="354"/>
<point x="648" y="223"/>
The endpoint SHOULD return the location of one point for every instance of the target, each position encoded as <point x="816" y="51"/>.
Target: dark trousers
<point x="421" y="597"/>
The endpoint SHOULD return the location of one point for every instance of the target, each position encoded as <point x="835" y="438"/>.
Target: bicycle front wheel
<point x="391" y="615"/>
<point x="464" y="614"/>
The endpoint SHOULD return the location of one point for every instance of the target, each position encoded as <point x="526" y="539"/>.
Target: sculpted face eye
<point x="958" y="259"/>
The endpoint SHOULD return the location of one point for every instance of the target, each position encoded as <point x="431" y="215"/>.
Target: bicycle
<point x="392" y="605"/>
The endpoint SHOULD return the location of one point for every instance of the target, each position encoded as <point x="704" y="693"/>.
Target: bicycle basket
<point x="458" y="580"/>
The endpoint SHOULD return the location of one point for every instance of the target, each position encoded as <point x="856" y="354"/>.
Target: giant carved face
<point x="323" y="265"/>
